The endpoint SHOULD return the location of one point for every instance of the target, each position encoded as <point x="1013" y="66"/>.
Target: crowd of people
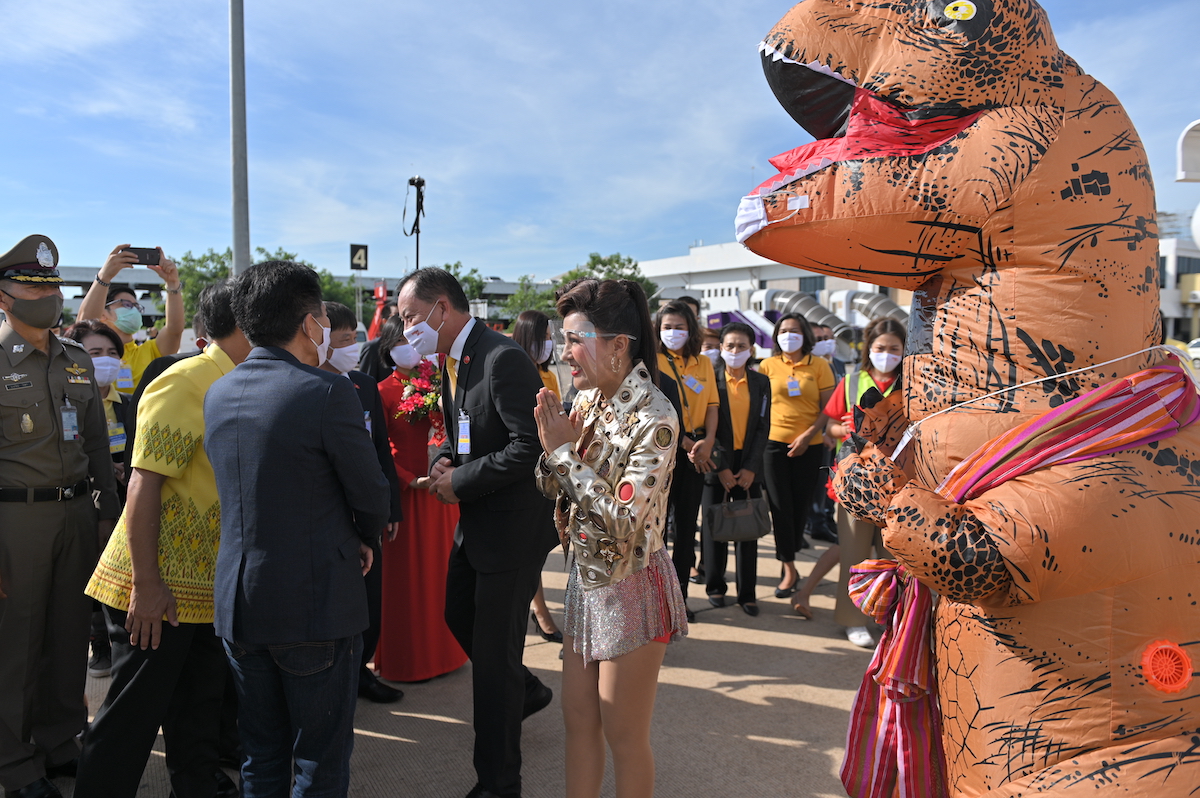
<point x="246" y="562"/>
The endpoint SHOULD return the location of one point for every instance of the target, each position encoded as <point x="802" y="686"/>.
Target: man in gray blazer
<point x="302" y="499"/>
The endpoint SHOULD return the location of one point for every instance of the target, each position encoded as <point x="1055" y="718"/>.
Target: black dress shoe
<point x="716" y="601"/>
<point x="550" y="637"/>
<point x="66" y="770"/>
<point x="370" y="688"/>
<point x="42" y="788"/>
<point x="691" y="616"/>
<point x="535" y="701"/>
<point x="822" y="533"/>
<point x="750" y="608"/>
<point x="479" y="792"/>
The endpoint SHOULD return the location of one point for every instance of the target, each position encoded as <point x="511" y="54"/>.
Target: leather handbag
<point x="738" y="520"/>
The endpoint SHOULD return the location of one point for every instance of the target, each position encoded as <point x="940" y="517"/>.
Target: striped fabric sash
<point x="1134" y="411"/>
<point x="894" y="743"/>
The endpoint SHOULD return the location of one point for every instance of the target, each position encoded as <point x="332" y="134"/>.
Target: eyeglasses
<point x="125" y="303"/>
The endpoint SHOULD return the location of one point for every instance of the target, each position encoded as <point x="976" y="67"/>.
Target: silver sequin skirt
<point x="610" y="621"/>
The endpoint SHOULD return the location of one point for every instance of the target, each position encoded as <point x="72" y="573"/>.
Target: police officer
<point x="53" y="459"/>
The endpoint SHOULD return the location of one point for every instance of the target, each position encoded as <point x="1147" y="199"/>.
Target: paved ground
<point x="749" y="707"/>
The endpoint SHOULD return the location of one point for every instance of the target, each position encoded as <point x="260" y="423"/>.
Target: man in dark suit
<point x="340" y="359"/>
<point x="487" y="467"/>
<point x="369" y="360"/>
<point x="302" y="500"/>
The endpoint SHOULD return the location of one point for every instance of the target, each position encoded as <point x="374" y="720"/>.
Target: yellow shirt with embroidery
<point x="738" y="393"/>
<point x="116" y="430"/>
<point x="137" y="358"/>
<point x="791" y="415"/>
<point x="695" y="405"/>
<point x="170" y="442"/>
<point x="550" y="381"/>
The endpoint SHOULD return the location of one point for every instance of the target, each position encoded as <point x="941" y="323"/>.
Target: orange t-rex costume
<point x="962" y="155"/>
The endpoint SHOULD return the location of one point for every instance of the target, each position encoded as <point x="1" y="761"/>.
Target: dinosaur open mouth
<point x="814" y="95"/>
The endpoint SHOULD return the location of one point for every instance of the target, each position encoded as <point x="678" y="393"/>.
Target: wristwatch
<point x="178" y="290"/>
<point x="101" y="282"/>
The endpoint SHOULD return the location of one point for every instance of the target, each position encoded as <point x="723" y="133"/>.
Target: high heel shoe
<point x="550" y="637"/>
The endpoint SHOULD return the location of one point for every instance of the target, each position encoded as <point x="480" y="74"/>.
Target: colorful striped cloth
<point x="894" y="743"/>
<point x="893" y="747"/>
<point x="1134" y="411"/>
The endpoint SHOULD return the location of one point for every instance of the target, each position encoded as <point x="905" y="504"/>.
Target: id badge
<point x="793" y="387"/>
<point x="125" y="378"/>
<point x="464" y="433"/>
<point x="694" y="384"/>
<point x="70" y="423"/>
<point x="367" y="420"/>
<point x="116" y="437"/>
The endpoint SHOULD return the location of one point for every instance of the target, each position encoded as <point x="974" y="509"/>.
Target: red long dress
<point x="415" y="644"/>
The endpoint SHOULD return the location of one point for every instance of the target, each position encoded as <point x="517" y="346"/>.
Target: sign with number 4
<point x="358" y="257"/>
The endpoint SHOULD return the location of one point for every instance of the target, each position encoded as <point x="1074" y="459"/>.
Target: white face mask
<point x="825" y="348"/>
<point x="323" y="346"/>
<point x="713" y="354"/>
<point x="673" y="339"/>
<point x="547" y="351"/>
<point x="106" y="369"/>
<point x="344" y="358"/>
<point x="735" y="360"/>
<point x="422" y="337"/>
<point x="405" y="356"/>
<point x="885" y="361"/>
<point x="791" y="342"/>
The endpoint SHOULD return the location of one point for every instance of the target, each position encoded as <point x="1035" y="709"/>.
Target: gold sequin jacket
<point x="611" y="500"/>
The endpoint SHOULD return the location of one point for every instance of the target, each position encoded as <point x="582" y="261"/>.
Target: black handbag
<point x="738" y="520"/>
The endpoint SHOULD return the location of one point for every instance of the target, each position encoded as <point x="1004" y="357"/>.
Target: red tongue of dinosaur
<point x="875" y="129"/>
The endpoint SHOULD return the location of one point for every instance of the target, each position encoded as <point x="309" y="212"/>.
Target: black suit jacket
<point x="503" y="521"/>
<point x="300" y="488"/>
<point x="372" y="404"/>
<point x="371" y="363"/>
<point x="758" y="423"/>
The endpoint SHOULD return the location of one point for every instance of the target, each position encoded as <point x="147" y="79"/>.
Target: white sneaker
<point x="859" y="636"/>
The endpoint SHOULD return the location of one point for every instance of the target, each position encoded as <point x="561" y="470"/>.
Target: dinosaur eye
<point x="961" y="10"/>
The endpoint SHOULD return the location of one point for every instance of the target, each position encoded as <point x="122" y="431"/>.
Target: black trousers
<point x="716" y="553"/>
<point x="791" y="482"/>
<point x="488" y="613"/>
<point x="178" y="686"/>
<point x="374" y="584"/>
<point x="687" y="487"/>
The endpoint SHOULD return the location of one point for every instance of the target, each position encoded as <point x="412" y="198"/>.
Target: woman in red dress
<point x="415" y="644"/>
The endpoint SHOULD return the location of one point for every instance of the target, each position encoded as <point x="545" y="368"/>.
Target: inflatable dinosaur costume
<point x="962" y="155"/>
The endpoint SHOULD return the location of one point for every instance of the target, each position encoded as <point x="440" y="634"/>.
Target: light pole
<point x="237" y="124"/>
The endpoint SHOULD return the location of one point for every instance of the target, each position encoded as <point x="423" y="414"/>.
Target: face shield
<point x="583" y="347"/>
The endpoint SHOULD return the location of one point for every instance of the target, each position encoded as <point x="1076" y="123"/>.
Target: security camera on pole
<point x="417" y="182"/>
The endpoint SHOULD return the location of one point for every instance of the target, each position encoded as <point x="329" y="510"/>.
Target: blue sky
<point x="545" y="130"/>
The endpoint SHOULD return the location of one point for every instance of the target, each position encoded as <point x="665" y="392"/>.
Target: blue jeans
<point x="296" y="704"/>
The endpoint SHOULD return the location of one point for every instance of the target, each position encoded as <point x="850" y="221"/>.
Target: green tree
<point x="530" y="296"/>
<point x="471" y="281"/>
<point x="611" y="267"/>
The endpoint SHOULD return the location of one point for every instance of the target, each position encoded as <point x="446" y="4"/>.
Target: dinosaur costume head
<point x="961" y="155"/>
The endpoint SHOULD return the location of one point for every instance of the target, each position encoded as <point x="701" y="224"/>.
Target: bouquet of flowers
<point x="422" y="392"/>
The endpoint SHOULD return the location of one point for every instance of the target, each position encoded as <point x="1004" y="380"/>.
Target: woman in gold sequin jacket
<point x="608" y="467"/>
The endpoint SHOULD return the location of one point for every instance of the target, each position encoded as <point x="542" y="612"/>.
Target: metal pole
<point x="418" y="247"/>
<point x="237" y="123"/>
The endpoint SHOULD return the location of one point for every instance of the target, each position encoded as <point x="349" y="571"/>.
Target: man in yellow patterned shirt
<point x="159" y="565"/>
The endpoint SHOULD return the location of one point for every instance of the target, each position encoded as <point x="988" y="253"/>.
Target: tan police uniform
<point x="48" y="531"/>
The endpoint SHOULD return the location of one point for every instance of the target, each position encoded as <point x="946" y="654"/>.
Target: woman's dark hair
<point x="691" y="347"/>
<point x="82" y="329"/>
<point x="115" y="291"/>
<point x="614" y="306"/>
<point x="271" y="299"/>
<point x="390" y="334"/>
<point x="529" y="332"/>
<point x="805" y="330"/>
<point x="214" y="311"/>
<point x="883" y="327"/>
<point x="739" y="327"/>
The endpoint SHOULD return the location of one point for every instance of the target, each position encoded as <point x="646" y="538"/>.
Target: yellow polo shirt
<point x="738" y="393"/>
<point x="697" y="387"/>
<point x="170" y="441"/>
<point x="550" y="381"/>
<point x="137" y="358"/>
<point x="807" y="378"/>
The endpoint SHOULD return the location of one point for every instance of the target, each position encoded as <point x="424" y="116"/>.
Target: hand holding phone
<point x="146" y="256"/>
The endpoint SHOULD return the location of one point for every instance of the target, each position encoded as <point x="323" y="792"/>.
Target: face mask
<point x="791" y="342"/>
<point x="344" y="358"/>
<point x="405" y="356"/>
<point x="825" y="348"/>
<point x="422" y="337"/>
<point x="128" y="320"/>
<point x="735" y="360"/>
<point x="712" y="354"/>
<point x="106" y="369"/>
<point x="547" y="351"/>
<point x="322" y="347"/>
<point x="673" y="339"/>
<point x="41" y="313"/>
<point x="885" y="361"/>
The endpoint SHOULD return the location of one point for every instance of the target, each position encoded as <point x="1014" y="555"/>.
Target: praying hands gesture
<point x="555" y="427"/>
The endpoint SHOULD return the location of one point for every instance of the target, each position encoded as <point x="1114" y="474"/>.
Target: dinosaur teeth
<point x="815" y="66"/>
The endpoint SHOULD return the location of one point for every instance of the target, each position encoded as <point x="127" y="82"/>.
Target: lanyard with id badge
<point x="70" y="420"/>
<point x="125" y="378"/>
<point x="693" y="384"/>
<point x="464" y="433"/>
